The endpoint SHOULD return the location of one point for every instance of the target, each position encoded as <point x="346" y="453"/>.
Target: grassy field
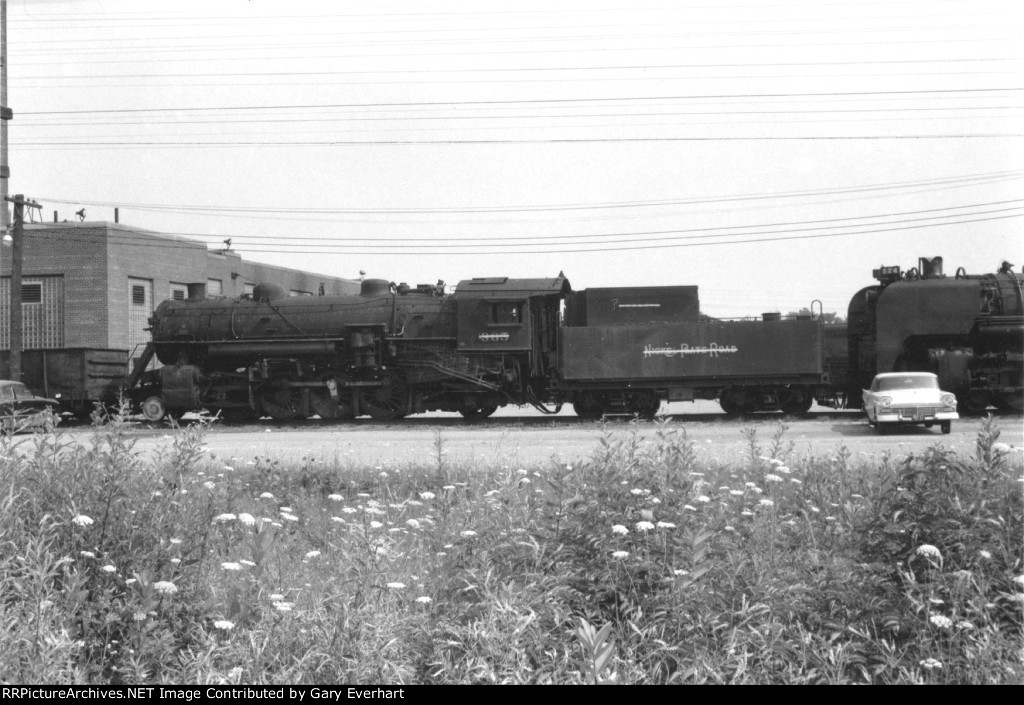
<point x="639" y="564"/>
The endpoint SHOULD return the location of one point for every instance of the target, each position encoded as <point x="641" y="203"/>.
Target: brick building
<point x="95" y="284"/>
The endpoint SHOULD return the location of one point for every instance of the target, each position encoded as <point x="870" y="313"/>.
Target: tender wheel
<point x="797" y="402"/>
<point x="387" y="402"/>
<point x="644" y="405"/>
<point x="1010" y="401"/>
<point x="946" y="426"/>
<point x="153" y="409"/>
<point x="475" y="414"/>
<point x="975" y="402"/>
<point x="588" y="407"/>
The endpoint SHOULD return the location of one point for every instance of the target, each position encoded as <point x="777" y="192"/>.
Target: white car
<point x="908" y="398"/>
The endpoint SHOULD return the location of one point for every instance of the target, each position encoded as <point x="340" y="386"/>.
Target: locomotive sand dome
<point x="390" y="351"/>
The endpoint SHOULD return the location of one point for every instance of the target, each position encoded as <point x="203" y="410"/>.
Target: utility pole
<point x="17" y="255"/>
<point x="6" y="114"/>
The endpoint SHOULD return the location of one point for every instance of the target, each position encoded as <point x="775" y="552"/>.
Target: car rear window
<point x="886" y="384"/>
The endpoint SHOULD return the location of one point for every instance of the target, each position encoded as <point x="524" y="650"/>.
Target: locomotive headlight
<point x="885" y="401"/>
<point x="949" y="400"/>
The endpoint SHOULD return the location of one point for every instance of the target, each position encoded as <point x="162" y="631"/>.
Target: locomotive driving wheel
<point x="340" y="405"/>
<point x="387" y="402"/>
<point x="473" y="413"/>
<point x="281" y="401"/>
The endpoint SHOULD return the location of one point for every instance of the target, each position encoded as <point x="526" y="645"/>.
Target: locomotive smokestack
<point x="930" y="268"/>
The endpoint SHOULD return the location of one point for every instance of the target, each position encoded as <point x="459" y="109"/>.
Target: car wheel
<point x="946" y="426"/>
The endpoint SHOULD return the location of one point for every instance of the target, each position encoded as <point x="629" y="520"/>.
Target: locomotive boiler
<point x="386" y="352"/>
<point x="966" y="328"/>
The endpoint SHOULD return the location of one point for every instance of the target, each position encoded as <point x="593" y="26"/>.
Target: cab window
<point x="507" y="313"/>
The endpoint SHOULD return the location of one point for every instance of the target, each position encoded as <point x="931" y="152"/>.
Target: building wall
<point x="99" y="263"/>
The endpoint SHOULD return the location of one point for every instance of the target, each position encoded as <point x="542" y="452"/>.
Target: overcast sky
<point x="772" y="153"/>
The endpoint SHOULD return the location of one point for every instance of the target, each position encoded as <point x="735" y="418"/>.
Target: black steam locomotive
<point x="397" y="350"/>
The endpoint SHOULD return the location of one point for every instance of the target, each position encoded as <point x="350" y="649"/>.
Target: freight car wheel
<point x="388" y="401"/>
<point x="643" y="405"/>
<point x="798" y="402"/>
<point x="153" y="409"/>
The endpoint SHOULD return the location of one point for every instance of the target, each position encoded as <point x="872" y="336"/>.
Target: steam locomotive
<point x="394" y="350"/>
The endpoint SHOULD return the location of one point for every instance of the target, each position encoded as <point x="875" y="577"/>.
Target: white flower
<point x="209" y="485"/>
<point x="247" y="519"/>
<point x="222" y="518"/>
<point x="289" y="517"/>
<point x="83" y="520"/>
<point x="284" y="606"/>
<point x="766" y="502"/>
<point x="1019" y="580"/>
<point x="87" y="554"/>
<point x="427" y="495"/>
<point x="396" y="586"/>
<point x="165" y="587"/>
<point x="736" y="493"/>
<point x="985" y="554"/>
<point x="175" y="542"/>
<point x="312" y="554"/>
<point x="375" y="525"/>
<point x="423" y="600"/>
<point x="666" y="525"/>
<point x="704" y="498"/>
<point x="349" y="510"/>
<point x="930" y="663"/>
<point x="690" y="507"/>
<point x="109" y="569"/>
<point x="620" y="554"/>
<point x="941" y="621"/>
<point x="772" y="478"/>
<point x="266" y="495"/>
<point x="636" y="492"/>
<point x="644" y="526"/>
<point x="730" y="528"/>
<point x="250" y="564"/>
<point x="224" y="625"/>
<point x="928" y="551"/>
<point x="468" y="533"/>
<point x="335" y="497"/>
<point x="620" y="529"/>
<point x="230" y="565"/>
<point x="276" y="597"/>
<point x="412" y="523"/>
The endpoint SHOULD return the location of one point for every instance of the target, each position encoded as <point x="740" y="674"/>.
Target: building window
<point x="138" y="295"/>
<point x="32" y="293"/>
<point x="249" y="289"/>
<point x="214" y="287"/>
<point x="179" y="292"/>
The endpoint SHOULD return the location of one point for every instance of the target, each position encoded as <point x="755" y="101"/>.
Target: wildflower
<point x="666" y="525"/>
<point x="468" y="533"/>
<point x="87" y="554"/>
<point x="427" y="495"/>
<point x="175" y="542"/>
<point x="248" y="564"/>
<point x="266" y="495"/>
<point x="349" y="510"/>
<point x="284" y="606"/>
<point x="109" y="569"/>
<point x="223" y="518"/>
<point x="795" y="481"/>
<point x="412" y="523"/>
<point x="690" y="507"/>
<point x="772" y="478"/>
<point x="928" y="551"/>
<point x="83" y="520"/>
<point x="423" y="600"/>
<point x="228" y="468"/>
<point x="224" y="625"/>
<point x="289" y="517"/>
<point x="736" y="493"/>
<point x="209" y="485"/>
<point x="230" y="565"/>
<point x="747" y="513"/>
<point x="247" y="519"/>
<point x="644" y="526"/>
<point x="448" y="487"/>
<point x="139" y="616"/>
<point x="1019" y="580"/>
<point x="680" y="571"/>
<point x="730" y="528"/>
<point x="985" y="554"/>
<point x="766" y="502"/>
<point x="704" y="498"/>
<point x="965" y="625"/>
<point x="276" y="597"/>
<point x="636" y="492"/>
<point x="165" y="587"/>
<point x="930" y="663"/>
<point x="396" y="586"/>
<point x="620" y="554"/>
<point x="312" y="554"/>
<point x="941" y="621"/>
<point x="175" y="561"/>
<point x="375" y="525"/>
<point x="783" y="469"/>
